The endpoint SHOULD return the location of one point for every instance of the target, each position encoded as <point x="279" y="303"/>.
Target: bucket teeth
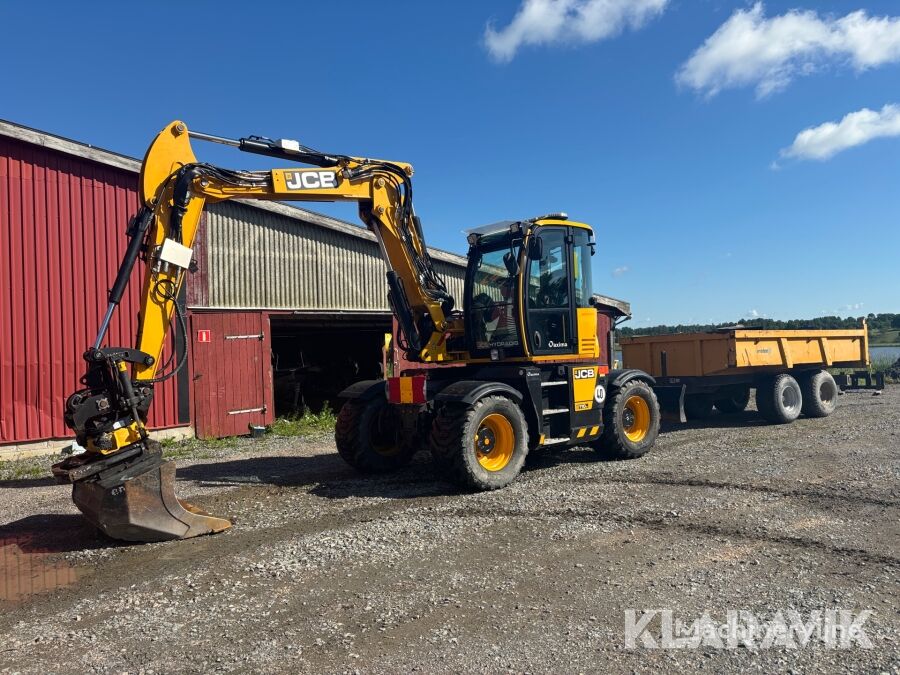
<point x="135" y="501"/>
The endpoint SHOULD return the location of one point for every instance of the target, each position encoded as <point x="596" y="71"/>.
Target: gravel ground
<point x="328" y="571"/>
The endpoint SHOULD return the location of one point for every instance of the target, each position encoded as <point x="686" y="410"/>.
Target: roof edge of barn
<point x="109" y="158"/>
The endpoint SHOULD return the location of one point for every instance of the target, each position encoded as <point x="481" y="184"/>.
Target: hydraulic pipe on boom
<point x="121" y="483"/>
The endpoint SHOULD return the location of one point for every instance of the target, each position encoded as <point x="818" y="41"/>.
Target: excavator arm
<point x="175" y="188"/>
<point x="121" y="483"/>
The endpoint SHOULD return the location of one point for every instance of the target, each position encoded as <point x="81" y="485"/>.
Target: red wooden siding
<point x="231" y="373"/>
<point x="62" y="234"/>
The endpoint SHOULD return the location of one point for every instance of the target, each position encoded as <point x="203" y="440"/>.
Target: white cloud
<point x="767" y="53"/>
<point x="754" y="314"/>
<point x="540" y="22"/>
<point x="856" y="128"/>
<point x="620" y="271"/>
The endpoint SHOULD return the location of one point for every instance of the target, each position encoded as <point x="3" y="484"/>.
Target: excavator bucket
<point x="134" y="499"/>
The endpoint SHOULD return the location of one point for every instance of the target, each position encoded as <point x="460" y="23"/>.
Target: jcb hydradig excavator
<point x="525" y="360"/>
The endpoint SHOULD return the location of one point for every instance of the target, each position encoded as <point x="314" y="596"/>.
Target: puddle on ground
<point x="26" y="569"/>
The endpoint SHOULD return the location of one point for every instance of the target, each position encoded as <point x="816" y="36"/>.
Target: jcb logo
<point x="584" y="373"/>
<point x="310" y="180"/>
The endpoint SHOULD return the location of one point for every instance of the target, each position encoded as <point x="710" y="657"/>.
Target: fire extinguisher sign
<point x="204" y="335"/>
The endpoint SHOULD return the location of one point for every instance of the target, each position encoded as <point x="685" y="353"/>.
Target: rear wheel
<point x="481" y="446"/>
<point x="630" y="422"/>
<point x="779" y="400"/>
<point x="368" y="437"/>
<point x="820" y="393"/>
<point x="698" y="406"/>
<point x="736" y="402"/>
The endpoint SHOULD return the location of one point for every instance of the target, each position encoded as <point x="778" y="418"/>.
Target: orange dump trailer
<point x="697" y="372"/>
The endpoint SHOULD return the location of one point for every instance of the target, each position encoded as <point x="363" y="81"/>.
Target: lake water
<point x="881" y="352"/>
<point x="875" y="353"/>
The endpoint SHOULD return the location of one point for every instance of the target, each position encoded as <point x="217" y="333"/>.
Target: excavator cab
<point x="527" y="283"/>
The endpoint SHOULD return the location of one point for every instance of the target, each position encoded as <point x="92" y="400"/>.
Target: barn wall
<point x="62" y="234"/>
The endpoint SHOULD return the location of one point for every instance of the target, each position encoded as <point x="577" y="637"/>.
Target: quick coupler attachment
<point x="131" y="495"/>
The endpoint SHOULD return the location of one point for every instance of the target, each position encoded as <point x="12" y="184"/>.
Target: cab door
<point x="549" y="310"/>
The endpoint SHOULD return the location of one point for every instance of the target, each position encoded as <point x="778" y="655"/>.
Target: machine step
<point x="555" y="411"/>
<point x="555" y="383"/>
<point x="555" y="441"/>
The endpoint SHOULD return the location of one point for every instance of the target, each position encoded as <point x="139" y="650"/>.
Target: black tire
<point x="616" y="441"/>
<point x="779" y="400"/>
<point x="820" y="394"/>
<point x="367" y="436"/>
<point x="735" y="403"/>
<point x="698" y="406"/>
<point x="458" y="430"/>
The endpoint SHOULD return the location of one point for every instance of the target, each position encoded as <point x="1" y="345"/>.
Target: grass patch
<point x="881" y="364"/>
<point x="23" y="469"/>
<point x="888" y="337"/>
<point x="885" y="364"/>
<point x="194" y="448"/>
<point x="308" y="424"/>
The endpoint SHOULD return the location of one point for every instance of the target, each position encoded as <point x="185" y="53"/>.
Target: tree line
<point x="875" y="322"/>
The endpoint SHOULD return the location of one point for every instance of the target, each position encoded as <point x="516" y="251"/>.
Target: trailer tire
<point x="698" y="406"/>
<point x="482" y="446"/>
<point x="779" y="400"/>
<point x="367" y="436"/>
<point x="630" y="422"/>
<point x="735" y="403"/>
<point x="820" y="394"/>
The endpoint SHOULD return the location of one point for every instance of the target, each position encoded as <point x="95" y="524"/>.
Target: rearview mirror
<point x="512" y="265"/>
<point x="535" y="248"/>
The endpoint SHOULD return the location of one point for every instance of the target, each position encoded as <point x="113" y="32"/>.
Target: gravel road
<point x="326" y="571"/>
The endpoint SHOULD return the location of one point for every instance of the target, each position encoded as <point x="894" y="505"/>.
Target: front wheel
<point x="630" y="422"/>
<point x="368" y="437"/>
<point x="481" y="447"/>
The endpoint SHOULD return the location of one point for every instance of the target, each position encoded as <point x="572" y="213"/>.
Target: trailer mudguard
<point x="470" y="391"/>
<point x="364" y="390"/>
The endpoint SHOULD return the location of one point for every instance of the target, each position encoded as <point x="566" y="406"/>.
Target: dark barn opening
<point x="315" y="357"/>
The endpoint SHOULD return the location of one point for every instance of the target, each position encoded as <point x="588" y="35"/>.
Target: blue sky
<point x="701" y="212"/>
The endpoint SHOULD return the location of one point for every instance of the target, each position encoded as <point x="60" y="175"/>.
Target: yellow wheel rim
<point x="636" y="422"/>
<point x="495" y="442"/>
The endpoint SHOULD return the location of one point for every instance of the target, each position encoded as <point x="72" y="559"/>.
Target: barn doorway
<point x="315" y="357"/>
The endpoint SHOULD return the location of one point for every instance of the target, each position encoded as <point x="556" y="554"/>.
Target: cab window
<point x="492" y="309"/>
<point x="581" y="268"/>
